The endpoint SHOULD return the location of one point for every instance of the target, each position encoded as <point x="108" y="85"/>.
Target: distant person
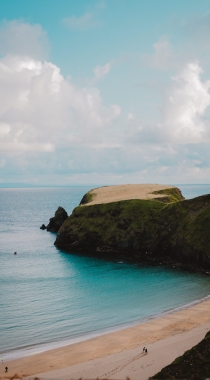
<point x="143" y="349"/>
<point x="6" y="369"/>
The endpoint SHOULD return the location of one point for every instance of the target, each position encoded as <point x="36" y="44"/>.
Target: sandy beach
<point x="119" y="354"/>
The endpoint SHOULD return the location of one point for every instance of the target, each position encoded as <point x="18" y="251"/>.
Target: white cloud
<point x="130" y="116"/>
<point x="101" y="71"/>
<point x="186" y="104"/>
<point x="89" y="20"/>
<point x="41" y="111"/>
<point x="82" y="23"/>
<point x="163" y="56"/>
<point x="52" y="130"/>
<point x="172" y="57"/>
<point x="184" y="113"/>
<point x="4" y="129"/>
<point x="195" y="44"/>
<point x="19" y="38"/>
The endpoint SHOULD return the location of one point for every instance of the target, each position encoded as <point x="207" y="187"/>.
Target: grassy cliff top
<point x="109" y="194"/>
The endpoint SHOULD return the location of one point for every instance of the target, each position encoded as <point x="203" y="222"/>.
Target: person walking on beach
<point x="143" y="349"/>
<point x="6" y="369"/>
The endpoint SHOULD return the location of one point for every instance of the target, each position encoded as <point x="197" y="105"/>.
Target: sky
<point x="104" y="92"/>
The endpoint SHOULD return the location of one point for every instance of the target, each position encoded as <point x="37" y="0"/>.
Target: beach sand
<point x="119" y="354"/>
<point x="117" y="193"/>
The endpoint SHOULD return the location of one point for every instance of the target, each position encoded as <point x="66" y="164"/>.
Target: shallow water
<point x="49" y="297"/>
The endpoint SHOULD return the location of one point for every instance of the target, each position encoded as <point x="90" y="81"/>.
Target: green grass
<point x="178" y="231"/>
<point x="187" y="224"/>
<point x="125" y="224"/>
<point x="172" y="195"/>
<point x="88" y="197"/>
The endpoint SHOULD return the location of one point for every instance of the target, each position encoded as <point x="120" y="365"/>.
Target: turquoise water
<point x="50" y="298"/>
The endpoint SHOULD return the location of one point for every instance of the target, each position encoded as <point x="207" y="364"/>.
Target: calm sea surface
<point x="50" y="298"/>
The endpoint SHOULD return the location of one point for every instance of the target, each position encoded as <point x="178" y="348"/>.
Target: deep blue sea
<point x="50" y="298"/>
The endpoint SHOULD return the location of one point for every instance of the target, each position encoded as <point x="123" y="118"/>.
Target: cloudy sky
<point x="104" y="92"/>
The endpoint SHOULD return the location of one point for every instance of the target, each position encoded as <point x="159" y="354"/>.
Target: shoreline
<point x="176" y="324"/>
<point x="36" y="349"/>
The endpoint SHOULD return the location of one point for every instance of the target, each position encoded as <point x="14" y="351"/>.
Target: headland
<point x="141" y="223"/>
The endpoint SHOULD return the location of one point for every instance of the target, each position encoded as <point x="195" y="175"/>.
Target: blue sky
<point x="104" y="92"/>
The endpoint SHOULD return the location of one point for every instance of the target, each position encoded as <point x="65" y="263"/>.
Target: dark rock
<point x="104" y="248"/>
<point x="43" y="227"/>
<point x="75" y="244"/>
<point x="194" y="364"/>
<point x="57" y="221"/>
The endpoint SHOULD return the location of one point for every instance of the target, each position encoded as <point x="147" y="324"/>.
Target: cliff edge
<point x="109" y="194"/>
<point x="162" y="227"/>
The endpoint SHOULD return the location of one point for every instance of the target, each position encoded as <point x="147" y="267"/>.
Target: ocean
<point x="50" y="298"/>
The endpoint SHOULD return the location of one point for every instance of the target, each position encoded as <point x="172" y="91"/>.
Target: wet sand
<point x="119" y="354"/>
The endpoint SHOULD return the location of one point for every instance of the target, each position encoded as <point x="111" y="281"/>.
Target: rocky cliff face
<point x="184" y="231"/>
<point x="143" y="230"/>
<point x="118" y="226"/>
<point x="56" y="222"/>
